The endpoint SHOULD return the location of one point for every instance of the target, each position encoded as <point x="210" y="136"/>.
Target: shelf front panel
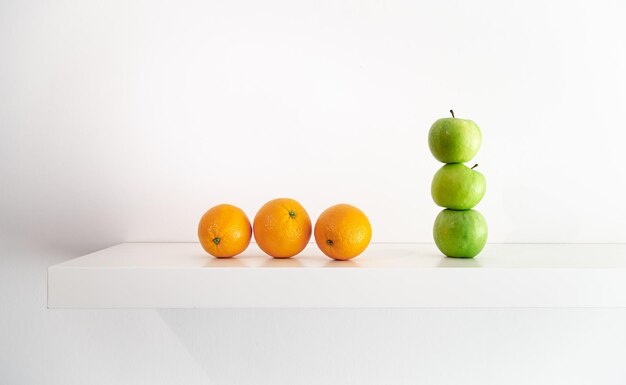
<point x="182" y="275"/>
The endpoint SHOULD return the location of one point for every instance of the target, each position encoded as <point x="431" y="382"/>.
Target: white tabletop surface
<point x="378" y="255"/>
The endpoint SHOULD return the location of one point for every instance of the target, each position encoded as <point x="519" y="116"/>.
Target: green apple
<point x="458" y="187"/>
<point x="460" y="234"/>
<point x="453" y="140"/>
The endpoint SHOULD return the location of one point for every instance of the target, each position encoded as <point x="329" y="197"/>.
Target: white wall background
<point x="126" y="120"/>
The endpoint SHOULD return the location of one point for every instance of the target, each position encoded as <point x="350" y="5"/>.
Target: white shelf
<point x="182" y="275"/>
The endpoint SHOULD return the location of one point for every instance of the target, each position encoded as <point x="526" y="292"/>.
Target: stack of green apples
<point x="459" y="231"/>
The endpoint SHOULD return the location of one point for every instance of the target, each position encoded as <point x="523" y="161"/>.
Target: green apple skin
<point x="458" y="187"/>
<point x="453" y="140"/>
<point x="460" y="234"/>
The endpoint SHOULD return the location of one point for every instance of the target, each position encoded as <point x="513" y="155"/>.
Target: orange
<point x="342" y="232"/>
<point x="224" y="231"/>
<point x="282" y="228"/>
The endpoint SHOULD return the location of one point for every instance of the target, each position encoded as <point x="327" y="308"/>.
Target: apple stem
<point x="476" y="165"/>
<point x="452" y="112"/>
